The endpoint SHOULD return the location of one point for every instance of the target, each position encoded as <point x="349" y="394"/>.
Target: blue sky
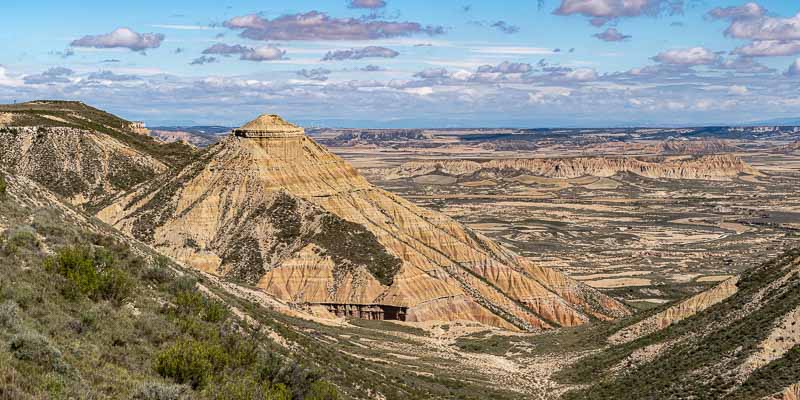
<point x="410" y="63"/>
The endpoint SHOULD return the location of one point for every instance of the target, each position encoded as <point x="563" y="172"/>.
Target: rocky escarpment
<point x="389" y="137"/>
<point x="677" y="313"/>
<point x="702" y="146"/>
<point x="86" y="167"/>
<point x="745" y="346"/>
<point x="710" y="167"/>
<point x="271" y="206"/>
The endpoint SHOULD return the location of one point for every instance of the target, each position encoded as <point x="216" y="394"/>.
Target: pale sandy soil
<point x="613" y="275"/>
<point x="714" y="278"/>
<point x="618" y="282"/>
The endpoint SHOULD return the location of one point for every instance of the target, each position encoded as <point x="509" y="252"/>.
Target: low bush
<point x="19" y="239"/>
<point x="116" y="285"/>
<point x="322" y="390"/>
<point x="159" y="391"/>
<point x="9" y="315"/>
<point x="34" y="347"/>
<point x="2" y="186"/>
<point x="90" y="273"/>
<point x="193" y="303"/>
<point x="249" y="388"/>
<point x="190" y="362"/>
<point x="158" y="272"/>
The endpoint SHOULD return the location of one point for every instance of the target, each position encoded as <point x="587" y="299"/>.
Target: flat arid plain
<point x="645" y="215"/>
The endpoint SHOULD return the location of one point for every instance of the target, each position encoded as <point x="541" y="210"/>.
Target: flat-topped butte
<point x="269" y="126"/>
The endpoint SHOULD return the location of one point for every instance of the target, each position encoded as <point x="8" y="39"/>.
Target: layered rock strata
<point x="709" y="167"/>
<point x="273" y="208"/>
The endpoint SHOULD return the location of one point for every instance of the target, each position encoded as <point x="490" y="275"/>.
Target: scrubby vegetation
<point x="84" y="315"/>
<point x="704" y="346"/>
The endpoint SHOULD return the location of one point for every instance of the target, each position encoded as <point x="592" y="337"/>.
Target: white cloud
<point x="687" y="57"/>
<point x="510" y="50"/>
<point x="769" y="48"/>
<point x="602" y="11"/>
<point x="121" y="38"/>
<point x="8" y="80"/>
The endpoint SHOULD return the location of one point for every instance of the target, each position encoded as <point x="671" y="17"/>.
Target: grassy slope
<point x="697" y="368"/>
<point x="124" y="324"/>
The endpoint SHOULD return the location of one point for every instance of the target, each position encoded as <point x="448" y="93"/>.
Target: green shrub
<point x="2" y="186"/>
<point x="158" y="272"/>
<point x="185" y="283"/>
<point x="322" y="390"/>
<point x="190" y="362"/>
<point x="90" y="273"/>
<point x="34" y="347"/>
<point x="155" y="328"/>
<point x="76" y="264"/>
<point x="215" y="311"/>
<point x="158" y="391"/>
<point x="20" y="238"/>
<point x="248" y="388"/>
<point x="116" y="285"/>
<point x="193" y="303"/>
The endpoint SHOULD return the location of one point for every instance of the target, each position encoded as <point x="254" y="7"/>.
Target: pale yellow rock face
<point x="678" y="312"/>
<point x="709" y="167"/>
<point x="446" y="271"/>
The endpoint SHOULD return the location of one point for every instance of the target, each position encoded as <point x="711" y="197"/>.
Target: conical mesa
<point x="270" y="206"/>
<point x="269" y="125"/>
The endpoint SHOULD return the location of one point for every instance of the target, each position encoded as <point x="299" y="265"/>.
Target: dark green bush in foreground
<point x="90" y="273"/>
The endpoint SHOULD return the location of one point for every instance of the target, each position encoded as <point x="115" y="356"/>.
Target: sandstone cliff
<point x="709" y="167"/>
<point x="701" y="146"/>
<point x="270" y="206"/>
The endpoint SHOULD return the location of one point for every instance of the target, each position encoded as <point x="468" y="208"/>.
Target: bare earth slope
<point x="81" y="165"/>
<point x="274" y="208"/>
<point x="80" y="152"/>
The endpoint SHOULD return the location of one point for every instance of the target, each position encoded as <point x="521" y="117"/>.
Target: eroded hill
<point x="271" y="207"/>
<point x="746" y="346"/>
<point x="79" y="152"/>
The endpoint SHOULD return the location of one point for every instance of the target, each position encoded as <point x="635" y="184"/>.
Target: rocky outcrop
<point x="710" y="167"/>
<point x="285" y="214"/>
<point x="696" y="147"/>
<point x="86" y="167"/>
<point x="676" y="313"/>
<point x="744" y="346"/>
